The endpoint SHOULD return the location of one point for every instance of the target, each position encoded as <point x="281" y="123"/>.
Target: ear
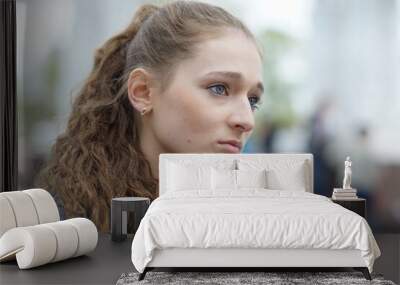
<point x="139" y="89"/>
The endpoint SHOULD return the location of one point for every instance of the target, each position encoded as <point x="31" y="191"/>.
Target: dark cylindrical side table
<point x="119" y="216"/>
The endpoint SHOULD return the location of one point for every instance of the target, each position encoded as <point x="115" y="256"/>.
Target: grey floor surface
<point x="106" y="264"/>
<point x="102" y="266"/>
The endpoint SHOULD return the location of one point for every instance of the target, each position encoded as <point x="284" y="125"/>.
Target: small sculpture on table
<point x="347" y="192"/>
<point x="347" y="174"/>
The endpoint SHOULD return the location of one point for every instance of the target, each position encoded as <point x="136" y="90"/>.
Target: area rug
<point x="273" y="278"/>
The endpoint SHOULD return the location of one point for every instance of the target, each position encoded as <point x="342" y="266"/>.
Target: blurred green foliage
<point x="276" y="108"/>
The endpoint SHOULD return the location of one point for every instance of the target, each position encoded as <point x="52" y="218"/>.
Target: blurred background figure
<point x="365" y="173"/>
<point x="269" y="136"/>
<point x="321" y="135"/>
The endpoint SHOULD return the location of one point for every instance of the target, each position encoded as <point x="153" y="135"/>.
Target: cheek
<point x="193" y="109"/>
<point x="188" y="119"/>
<point x="196" y="116"/>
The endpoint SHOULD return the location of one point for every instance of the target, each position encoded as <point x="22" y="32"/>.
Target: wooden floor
<point x="388" y="263"/>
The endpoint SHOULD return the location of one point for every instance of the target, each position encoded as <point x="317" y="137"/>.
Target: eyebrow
<point x="235" y="76"/>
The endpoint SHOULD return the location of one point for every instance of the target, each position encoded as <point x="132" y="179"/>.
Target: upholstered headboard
<point x="278" y="162"/>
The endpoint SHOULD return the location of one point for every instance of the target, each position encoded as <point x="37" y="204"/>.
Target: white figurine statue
<point x="347" y="174"/>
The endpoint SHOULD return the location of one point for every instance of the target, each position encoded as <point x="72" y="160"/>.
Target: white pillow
<point x="251" y="178"/>
<point x="223" y="179"/>
<point x="293" y="178"/>
<point x="181" y="177"/>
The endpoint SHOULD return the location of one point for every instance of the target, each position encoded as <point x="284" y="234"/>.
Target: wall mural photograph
<point x="132" y="127"/>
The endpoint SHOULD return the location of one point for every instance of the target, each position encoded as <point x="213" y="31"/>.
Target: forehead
<point x="231" y="50"/>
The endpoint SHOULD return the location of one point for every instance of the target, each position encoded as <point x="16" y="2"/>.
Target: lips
<point x="231" y="145"/>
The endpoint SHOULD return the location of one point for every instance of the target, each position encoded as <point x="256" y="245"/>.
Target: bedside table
<point x="357" y="205"/>
<point x="119" y="216"/>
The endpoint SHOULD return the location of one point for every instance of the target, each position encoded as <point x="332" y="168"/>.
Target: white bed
<point x="282" y="224"/>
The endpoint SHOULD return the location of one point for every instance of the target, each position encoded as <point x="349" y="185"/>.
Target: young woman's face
<point x="209" y="106"/>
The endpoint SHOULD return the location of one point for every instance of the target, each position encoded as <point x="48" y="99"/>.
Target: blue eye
<point x="218" y="89"/>
<point x="254" y="102"/>
<point x="221" y="89"/>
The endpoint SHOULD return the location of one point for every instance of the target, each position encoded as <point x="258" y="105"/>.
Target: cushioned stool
<point x="119" y="217"/>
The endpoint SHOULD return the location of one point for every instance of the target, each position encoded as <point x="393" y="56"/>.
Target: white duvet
<point x="251" y="218"/>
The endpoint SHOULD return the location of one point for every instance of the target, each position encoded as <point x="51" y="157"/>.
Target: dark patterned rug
<point x="275" y="278"/>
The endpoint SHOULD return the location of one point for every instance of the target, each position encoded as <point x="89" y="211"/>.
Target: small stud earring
<point x="143" y="111"/>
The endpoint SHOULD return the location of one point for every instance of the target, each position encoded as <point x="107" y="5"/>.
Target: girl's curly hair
<point x="98" y="156"/>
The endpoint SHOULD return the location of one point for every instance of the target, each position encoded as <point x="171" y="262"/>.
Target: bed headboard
<point x="229" y="161"/>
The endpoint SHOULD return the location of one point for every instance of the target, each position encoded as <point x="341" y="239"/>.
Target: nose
<point x="242" y="117"/>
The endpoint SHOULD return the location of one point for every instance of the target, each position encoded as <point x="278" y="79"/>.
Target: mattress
<point x="250" y="218"/>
